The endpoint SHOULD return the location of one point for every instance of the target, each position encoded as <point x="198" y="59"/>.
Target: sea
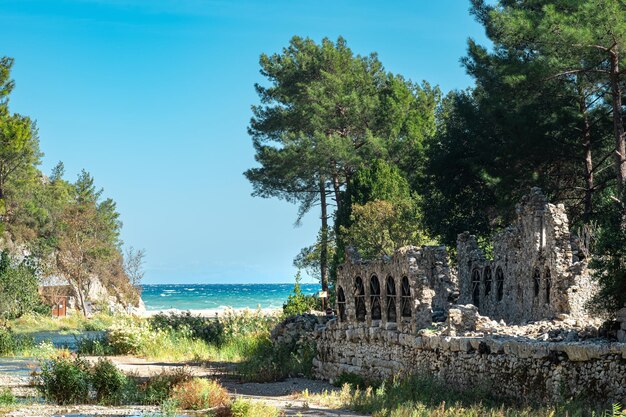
<point x="218" y="296"/>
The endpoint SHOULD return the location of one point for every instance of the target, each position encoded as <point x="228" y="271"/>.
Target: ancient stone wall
<point x="513" y="367"/>
<point x="532" y="274"/>
<point x="401" y="291"/>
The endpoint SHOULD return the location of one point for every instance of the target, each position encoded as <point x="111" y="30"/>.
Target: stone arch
<point x="375" y="298"/>
<point x="548" y="278"/>
<point x="390" y="299"/>
<point x="536" y="282"/>
<point x="488" y="280"/>
<point x="359" y="299"/>
<point x="476" y="287"/>
<point x="499" y="283"/>
<point x="405" y="306"/>
<point x="341" y="303"/>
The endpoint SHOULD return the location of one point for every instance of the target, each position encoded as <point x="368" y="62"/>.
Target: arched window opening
<point x="359" y="299"/>
<point x="488" y="280"/>
<point x="341" y="304"/>
<point x="390" y="299"/>
<point x="548" y="278"/>
<point x="405" y="307"/>
<point x="375" y="297"/>
<point x="499" y="284"/>
<point x="476" y="288"/>
<point x="536" y="281"/>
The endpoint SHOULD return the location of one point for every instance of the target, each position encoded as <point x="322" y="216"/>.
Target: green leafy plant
<point x="7" y="398"/>
<point x="110" y="384"/>
<point x="299" y="303"/>
<point x="65" y="380"/>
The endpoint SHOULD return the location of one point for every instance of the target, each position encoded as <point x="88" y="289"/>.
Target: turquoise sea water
<point x="209" y="296"/>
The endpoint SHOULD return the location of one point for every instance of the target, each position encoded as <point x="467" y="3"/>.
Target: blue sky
<point x="153" y="98"/>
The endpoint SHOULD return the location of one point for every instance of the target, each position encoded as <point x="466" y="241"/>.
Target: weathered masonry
<point x="400" y="292"/>
<point x="533" y="275"/>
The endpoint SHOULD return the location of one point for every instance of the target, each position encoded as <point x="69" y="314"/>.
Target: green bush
<point x="6" y="397"/>
<point x="299" y="303"/>
<point x="19" y="289"/>
<point x="158" y="388"/>
<point x="128" y="337"/>
<point x="112" y="387"/>
<point x="65" y="380"/>
<point x="207" y="329"/>
<point x="269" y="361"/>
<point x="246" y="408"/>
<point x="97" y="346"/>
<point x="12" y="344"/>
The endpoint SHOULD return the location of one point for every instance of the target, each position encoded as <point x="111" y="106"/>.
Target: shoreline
<point x="212" y="312"/>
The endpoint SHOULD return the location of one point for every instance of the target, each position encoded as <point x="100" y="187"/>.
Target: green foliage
<point x="325" y="112"/>
<point x="273" y="360"/>
<point x="158" y="389"/>
<point x="247" y="408"/>
<point x="11" y="343"/>
<point x="109" y="383"/>
<point x="609" y="261"/>
<point x="130" y="336"/>
<point x="207" y="329"/>
<point x="7" y="398"/>
<point x="378" y="213"/>
<point x="18" y="289"/>
<point x="65" y="380"/>
<point x="419" y="396"/>
<point x="299" y="303"/>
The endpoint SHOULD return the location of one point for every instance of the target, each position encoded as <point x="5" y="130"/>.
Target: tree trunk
<point x="337" y="189"/>
<point x="618" y="127"/>
<point x="586" y="144"/>
<point x="324" y="236"/>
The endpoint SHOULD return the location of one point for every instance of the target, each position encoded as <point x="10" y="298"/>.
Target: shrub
<point x="11" y="344"/>
<point x="247" y="323"/>
<point x="270" y="361"/>
<point x="128" y="337"/>
<point x="97" y="346"/>
<point x="65" y="380"/>
<point x="209" y="330"/>
<point x="109" y="383"/>
<point x="245" y="408"/>
<point x="199" y="394"/>
<point x="6" y="397"/>
<point x="19" y="289"/>
<point x="158" y="388"/>
<point x="299" y="303"/>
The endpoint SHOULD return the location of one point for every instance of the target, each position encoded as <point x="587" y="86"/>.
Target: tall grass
<point x="31" y="323"/>
<point x="425" y="397"/>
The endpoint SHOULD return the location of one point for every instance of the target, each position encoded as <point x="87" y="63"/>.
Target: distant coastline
<point x="208" y="299"/>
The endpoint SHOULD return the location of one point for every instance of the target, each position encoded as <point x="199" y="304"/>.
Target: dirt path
<point x="15" y="373"/>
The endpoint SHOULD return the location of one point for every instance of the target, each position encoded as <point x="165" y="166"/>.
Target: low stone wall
<point x="510" y="367"/>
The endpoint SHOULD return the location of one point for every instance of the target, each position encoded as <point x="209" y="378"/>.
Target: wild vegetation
<point x="417" y="396"/>
<point x="51" y="226"/>
<point x="391" y="162"/>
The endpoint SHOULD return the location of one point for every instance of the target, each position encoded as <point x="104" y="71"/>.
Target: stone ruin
<point x="532" y="275"/>
<point x="513" y="320"/>
<point x="400" y="292"/>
